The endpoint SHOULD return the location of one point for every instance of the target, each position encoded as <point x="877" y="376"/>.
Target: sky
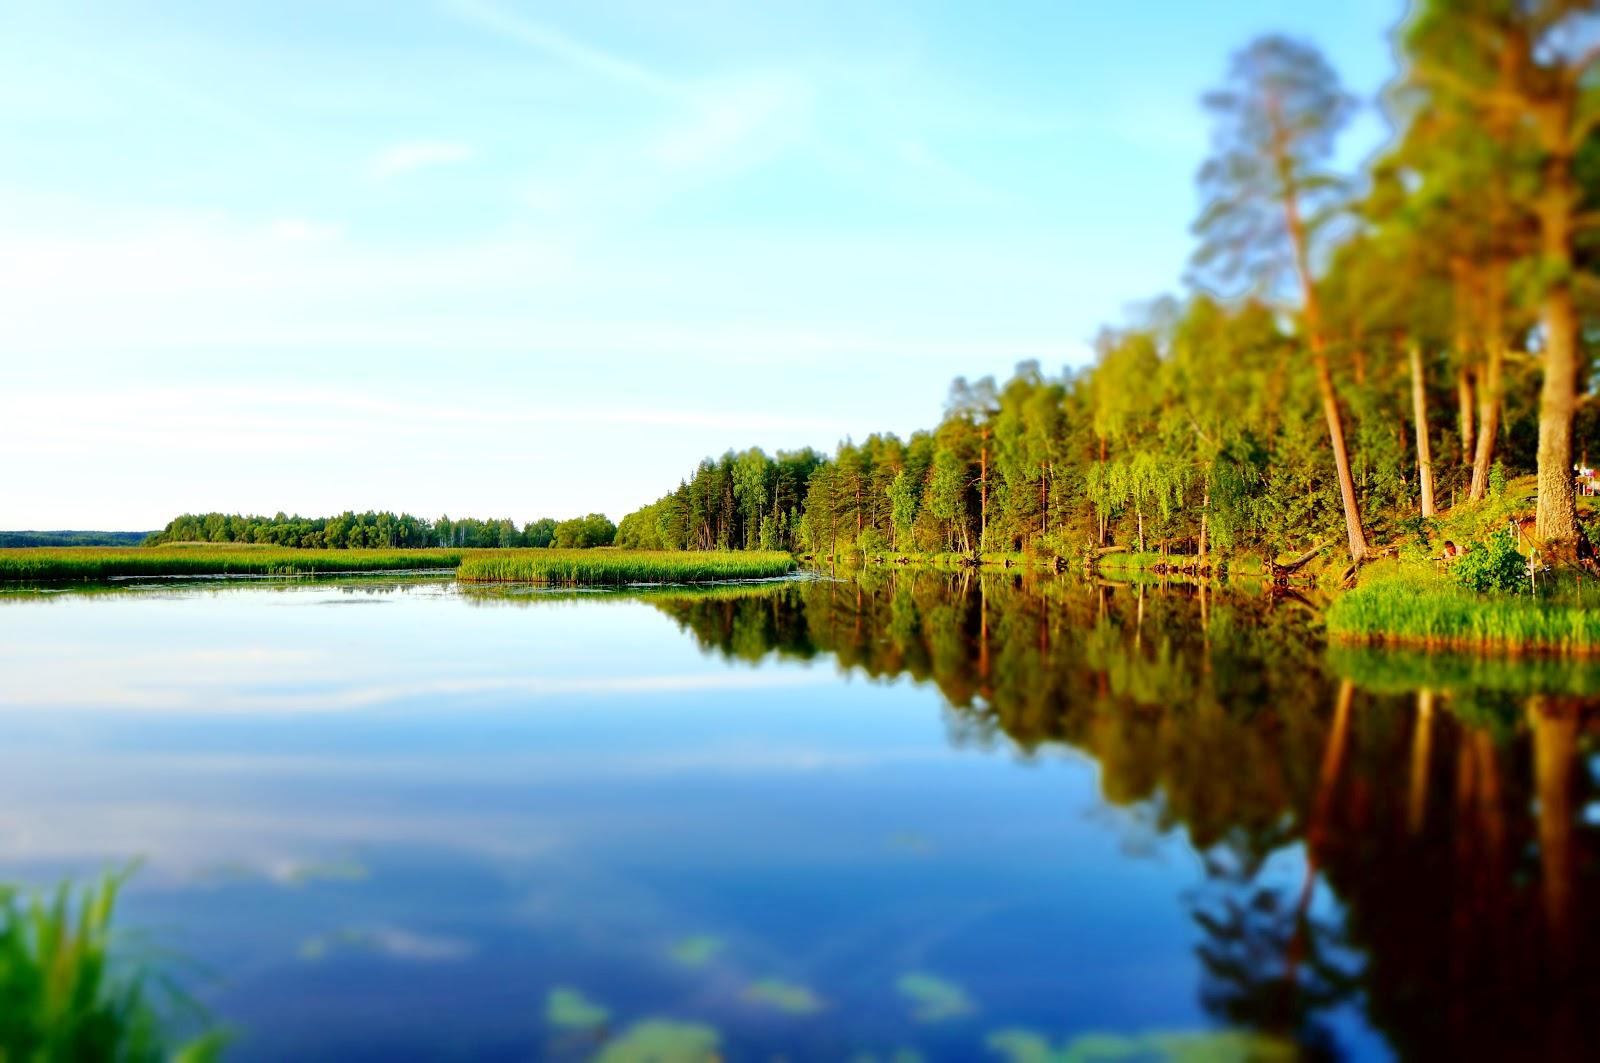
<point x="512" y="259"/>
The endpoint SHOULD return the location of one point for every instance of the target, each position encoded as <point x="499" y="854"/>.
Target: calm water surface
<point x="965" y="818"/>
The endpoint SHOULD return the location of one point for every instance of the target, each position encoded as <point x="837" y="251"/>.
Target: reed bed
<point x="616" y="567"/>
<point x="46" y="564"/>
<point x="1407" y="606"/>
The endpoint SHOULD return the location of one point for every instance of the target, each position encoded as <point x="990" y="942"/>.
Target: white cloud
<point x="404" y="158"/>
<point x="567" y="49"/>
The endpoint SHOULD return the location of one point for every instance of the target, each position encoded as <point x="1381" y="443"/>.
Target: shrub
<point x="1493" y="566"/>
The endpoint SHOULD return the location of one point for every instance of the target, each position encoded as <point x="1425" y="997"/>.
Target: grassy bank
<point x="1409" y="604"/>
<point x="91" y="563"/>
<point x="601" y="567"/>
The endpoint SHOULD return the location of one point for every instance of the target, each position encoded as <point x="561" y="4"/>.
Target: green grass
<point x="45" y="564"/>
<point x="602" y="567"/>
<point x="63" y="992"/>
<point x="1410" y="604"/>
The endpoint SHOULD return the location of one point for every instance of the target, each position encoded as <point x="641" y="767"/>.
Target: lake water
<point x="906" y="816"/>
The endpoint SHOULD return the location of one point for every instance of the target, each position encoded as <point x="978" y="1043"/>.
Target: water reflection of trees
<point x="1434" y="809"/>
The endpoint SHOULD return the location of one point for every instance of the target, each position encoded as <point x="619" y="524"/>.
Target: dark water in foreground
<point x="969" y="819"/>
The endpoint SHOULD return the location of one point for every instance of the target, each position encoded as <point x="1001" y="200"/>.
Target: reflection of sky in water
<point x="397" y="829"/>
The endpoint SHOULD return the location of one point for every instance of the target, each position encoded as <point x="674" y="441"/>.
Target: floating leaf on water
<point x="1222" y="1046"/>
<point x="785" y="996"/>
<point x="342" y="870"/>
<point x="569" y="1009"/>
<point x="934" y="999"/>
<point x="911" y="842"/>
<point x="663" y="1041"/>
<point x="696" y="951"/>
<point x="387" y="941"/>
<point x="1018" y="1045"/>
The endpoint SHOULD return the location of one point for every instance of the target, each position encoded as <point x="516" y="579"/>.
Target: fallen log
<point x="1282" y="571"/>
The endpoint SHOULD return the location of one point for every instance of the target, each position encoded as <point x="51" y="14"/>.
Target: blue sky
<point x="496" y="258"/>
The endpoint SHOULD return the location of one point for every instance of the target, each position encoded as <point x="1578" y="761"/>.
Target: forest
<point x="385" y="530"/>
<point x="1354" y="353"/>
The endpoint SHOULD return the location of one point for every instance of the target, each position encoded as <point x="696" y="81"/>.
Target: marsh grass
<point x="615" y="567"/>
<point x="46" y="564"/>
<point x="1410" y="604"/>
<point x="64" y="992"/>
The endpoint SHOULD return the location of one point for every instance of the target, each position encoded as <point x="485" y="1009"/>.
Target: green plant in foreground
<point x="1493" y="566"/>
<point x="65" y="996"/>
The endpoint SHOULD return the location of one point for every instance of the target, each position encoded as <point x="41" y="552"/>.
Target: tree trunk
<point x="1139" y="511"/>
<point x="1319" y="354"/>
<point x="1464" y="402"/>
<point x="1489" y="416"/>
<point x="1205" y="511"/>
<point x="1419" y="405"/>
<point x="983" y="491"/>
<point x="1341" y="457"/>
<point x="1558" y="398"/>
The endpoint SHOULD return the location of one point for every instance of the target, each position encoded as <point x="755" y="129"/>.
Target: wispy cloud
<point x="569" y="50"/>
<point x="417" y="155"/>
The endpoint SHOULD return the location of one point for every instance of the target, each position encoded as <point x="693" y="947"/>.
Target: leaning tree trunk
<point x="1419" y="402"/>
<point x="1494" y="359"/>
<point x="1464" y="405"/>
<point x="1319" y="355"/>
<point x="1341" y="456"/>
<point x="1489" y="417"/>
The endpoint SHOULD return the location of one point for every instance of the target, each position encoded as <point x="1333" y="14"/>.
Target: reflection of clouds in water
<point x="392" y="942"/>
<point x="181" y="842"/>
<point x="168" y="686"/>
<point x="221" y="815"/>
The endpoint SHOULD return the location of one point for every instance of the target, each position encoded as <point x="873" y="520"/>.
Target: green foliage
<point x="64" y="992"/>
<point x="14" y="539"/>
<point x="582" y="533"/>
<point x="621" y="566"/>
<point x="1493" y="566"/>
<point x="374" y="530"/>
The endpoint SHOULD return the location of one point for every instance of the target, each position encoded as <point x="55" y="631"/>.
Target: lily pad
<point x="934" y="999"/>
<point x="663" y="1041"/>
<point x="569" y="1009"/>
<point x="696" y="951"/>
<point x="785" y="996"/>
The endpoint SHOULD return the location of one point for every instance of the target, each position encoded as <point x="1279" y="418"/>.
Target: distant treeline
<point x="1356" y="352"/>
<point x="385" y="530"/>
<point x="12" y="539"/>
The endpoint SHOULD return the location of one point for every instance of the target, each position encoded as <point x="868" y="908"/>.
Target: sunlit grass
<point x="600" y="567"/>
<point x="1409" y="604"/>
<point x="42" y="564"/>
